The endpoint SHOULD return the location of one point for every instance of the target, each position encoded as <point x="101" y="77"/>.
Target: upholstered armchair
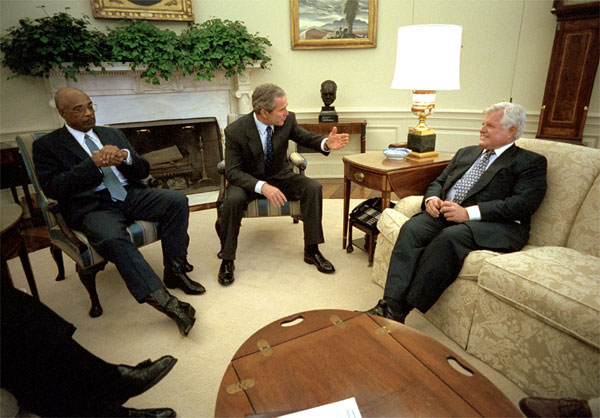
<point x="260" y="207"/>
<point x="74" y="243"/>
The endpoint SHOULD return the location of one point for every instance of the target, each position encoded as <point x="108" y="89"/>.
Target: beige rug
<point x="272" y="281"/>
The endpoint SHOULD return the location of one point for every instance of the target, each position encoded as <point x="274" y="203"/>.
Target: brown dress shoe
<point x="545" y="407"/>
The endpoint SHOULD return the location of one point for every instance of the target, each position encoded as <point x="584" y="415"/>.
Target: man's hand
<point x="433" y="206"/>
<point x="454" y="212"/>
<point x="275" y="196"/>
<point x="335" y="140"/>
<point x="109" y="155"/>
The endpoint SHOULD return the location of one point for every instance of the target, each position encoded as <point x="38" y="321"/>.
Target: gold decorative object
<point x="171" y="10"/>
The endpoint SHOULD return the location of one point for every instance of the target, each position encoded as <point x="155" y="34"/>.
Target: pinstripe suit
<point x="429" y="252"/>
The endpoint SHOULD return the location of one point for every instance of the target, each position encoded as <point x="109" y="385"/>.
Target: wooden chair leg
<point x="58" y="259"/>
<point x="88" y="278"/>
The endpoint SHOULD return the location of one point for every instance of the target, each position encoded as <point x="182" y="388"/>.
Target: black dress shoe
<point x="546" y="407"/>
<point x="385" y="310"/>
<point x="176" y="277"/>
<point x="226" y="272"/>
<point x="154" y="412"/>
<point x="135" y="380"/>
<point x="181" y="312"/>
<point x="187" y="267"/>
<point x="316" y="258"/>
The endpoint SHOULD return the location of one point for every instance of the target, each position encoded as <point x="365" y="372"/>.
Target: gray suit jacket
<point x="510" y="190"/>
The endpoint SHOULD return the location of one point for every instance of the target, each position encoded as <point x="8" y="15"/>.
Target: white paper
<point x="342" y="409"/>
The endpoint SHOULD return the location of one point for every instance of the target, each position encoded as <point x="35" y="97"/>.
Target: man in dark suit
<point x="95" y="175"/>
<point x="484" y="199"/>
<point x="256" y="163"/>
<point x="50" y="374"/>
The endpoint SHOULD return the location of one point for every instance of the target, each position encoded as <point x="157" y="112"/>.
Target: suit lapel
<point x="70" y="144"/>
<point x="499" y="163"/>
<point x="466" y="162"/>
<point x="253" y="138"/>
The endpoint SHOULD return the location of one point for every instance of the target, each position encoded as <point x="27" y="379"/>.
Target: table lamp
<point x="427" y="60"/>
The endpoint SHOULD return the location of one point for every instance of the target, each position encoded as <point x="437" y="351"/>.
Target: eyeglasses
<point x="92" y="107"/>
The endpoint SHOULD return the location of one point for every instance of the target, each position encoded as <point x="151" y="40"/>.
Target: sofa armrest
<point x="409" y="206"/>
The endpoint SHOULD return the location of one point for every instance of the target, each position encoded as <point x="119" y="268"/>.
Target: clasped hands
<point x="109" y="155"/>
<point x="451" y="211"/>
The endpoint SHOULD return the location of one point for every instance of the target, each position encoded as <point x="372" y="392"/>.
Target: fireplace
<point x="183" y="154"/>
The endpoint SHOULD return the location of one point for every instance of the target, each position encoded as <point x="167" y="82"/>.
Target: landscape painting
<point x="319" y="24"/>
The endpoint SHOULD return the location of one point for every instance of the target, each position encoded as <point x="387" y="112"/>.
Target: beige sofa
<point x="534" y="315"/>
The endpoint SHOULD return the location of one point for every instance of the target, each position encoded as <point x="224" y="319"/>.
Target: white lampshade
<point x="428" y="57"/>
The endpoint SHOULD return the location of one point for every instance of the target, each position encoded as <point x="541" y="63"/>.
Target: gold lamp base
<point x="421" y="138"/>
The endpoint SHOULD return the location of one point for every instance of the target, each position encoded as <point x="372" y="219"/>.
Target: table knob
<point x="359" y="176"/>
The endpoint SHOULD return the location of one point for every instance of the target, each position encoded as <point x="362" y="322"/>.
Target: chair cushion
<point x="533" y="281"/>
<point x="262" y="207"/>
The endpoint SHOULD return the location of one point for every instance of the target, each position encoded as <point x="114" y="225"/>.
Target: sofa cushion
<point x="557" y="285"/>
<point x="572" y="170"/>
<point x="585" y="234"/>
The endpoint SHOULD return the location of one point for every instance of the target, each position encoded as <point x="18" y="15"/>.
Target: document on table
<point x="342" y="409"/>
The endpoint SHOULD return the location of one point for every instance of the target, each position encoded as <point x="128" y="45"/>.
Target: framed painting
<point x="172" y="10"/>
<point x="323" y="24"/>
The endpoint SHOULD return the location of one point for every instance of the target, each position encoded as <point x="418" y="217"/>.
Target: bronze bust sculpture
<point x="328" y="95"/>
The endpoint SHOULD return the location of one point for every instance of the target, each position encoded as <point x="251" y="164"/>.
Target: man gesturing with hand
<point x="256" y="164"/>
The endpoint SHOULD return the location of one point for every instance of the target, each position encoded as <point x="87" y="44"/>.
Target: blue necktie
<point x="111" y="181"/>
<point x="467" y="181"/>
<point x="269" y="155"/>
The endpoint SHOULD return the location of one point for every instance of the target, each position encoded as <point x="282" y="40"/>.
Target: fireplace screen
<point x="183" y="153"/>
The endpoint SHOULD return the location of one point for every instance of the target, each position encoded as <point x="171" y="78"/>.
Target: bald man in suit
<point x="252" y="169"/>
<point x="73" y="165"/>
<point x="484" y="199"/>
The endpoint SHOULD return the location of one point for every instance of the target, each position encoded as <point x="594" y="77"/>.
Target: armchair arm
<point x="298" y="160"/>
<point x="54" y="207"/>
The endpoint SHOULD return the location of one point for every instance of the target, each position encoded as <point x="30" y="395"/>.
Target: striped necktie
<point x="111" y="181"/>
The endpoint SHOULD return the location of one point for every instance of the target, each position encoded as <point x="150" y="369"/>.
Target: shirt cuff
<point x="323" y="145"/>
<point x="259" y="185"/>
<point x="474" y="213"/>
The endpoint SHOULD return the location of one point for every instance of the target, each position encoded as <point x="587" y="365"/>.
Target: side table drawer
<point x="366" y="178"/>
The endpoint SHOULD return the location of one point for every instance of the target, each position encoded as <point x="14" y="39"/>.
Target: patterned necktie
<point x="111" y="181"/>
<point x="269" y="155"/>
<point x="467" y="181"/>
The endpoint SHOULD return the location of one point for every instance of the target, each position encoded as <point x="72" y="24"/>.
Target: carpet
<point x="272" y="281"/>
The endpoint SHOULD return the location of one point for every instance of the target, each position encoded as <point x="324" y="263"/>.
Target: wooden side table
<point x="318" y="357"/>
<point x="374" y="171"/>
<point x="13" y="244"/>
<point x="346" y="126"/>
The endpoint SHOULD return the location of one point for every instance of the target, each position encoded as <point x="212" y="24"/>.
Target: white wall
<point x="506" y="51"/>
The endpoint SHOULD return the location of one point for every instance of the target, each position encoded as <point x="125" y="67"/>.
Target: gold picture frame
<point x="171" y="10"/>
<point x="318" y="25"/>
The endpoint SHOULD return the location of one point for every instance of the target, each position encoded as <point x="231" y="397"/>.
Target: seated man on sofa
<point x="484" y="199"/>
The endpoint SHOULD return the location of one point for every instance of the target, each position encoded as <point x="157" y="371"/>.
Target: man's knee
<point x="235" y="197"/>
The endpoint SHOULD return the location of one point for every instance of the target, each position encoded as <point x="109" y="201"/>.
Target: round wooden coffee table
<point x="318" y="357"/>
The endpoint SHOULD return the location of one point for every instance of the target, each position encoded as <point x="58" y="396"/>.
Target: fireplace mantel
<point x="122" y="96"/>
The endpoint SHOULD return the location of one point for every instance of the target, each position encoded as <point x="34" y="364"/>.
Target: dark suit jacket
<point x="68" y="174"/>
<point x="510" y="190"/>
<point x="244" y="156"/>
